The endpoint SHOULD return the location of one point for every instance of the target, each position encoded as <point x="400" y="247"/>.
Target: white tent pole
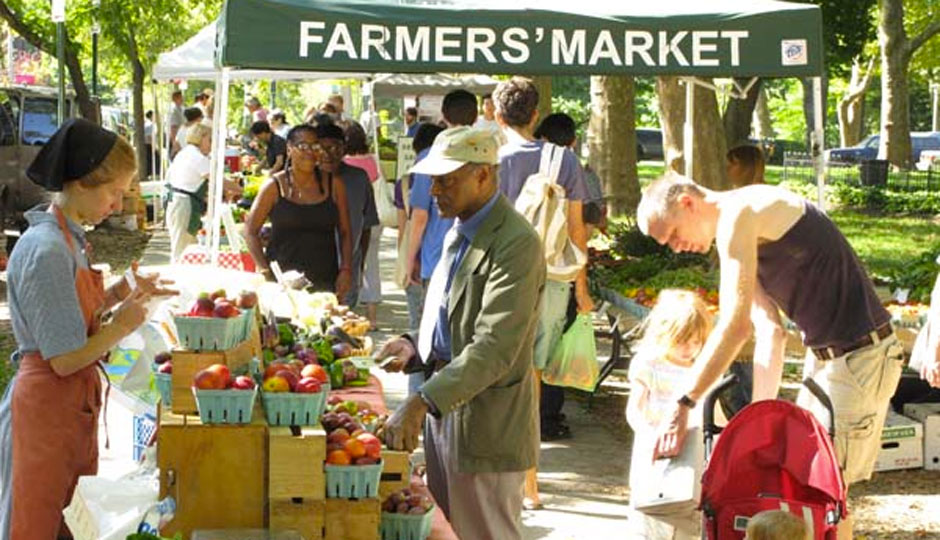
<point x="217" y="162"/>
<point x="688" y="132"/>
<point x="374" y="120"/>
<point x="819" y="143"/>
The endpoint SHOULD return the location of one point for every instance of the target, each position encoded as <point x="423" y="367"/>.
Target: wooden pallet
<point x="295" y="468"/>
<point x="187" y="363"/>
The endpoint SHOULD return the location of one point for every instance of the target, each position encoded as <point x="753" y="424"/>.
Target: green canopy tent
<point x="721" y="38"/>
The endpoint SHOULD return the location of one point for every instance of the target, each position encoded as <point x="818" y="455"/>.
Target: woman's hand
<point x="153" y="284"/>
<point x="133" y="311"/>
<point x="343" y="283"/>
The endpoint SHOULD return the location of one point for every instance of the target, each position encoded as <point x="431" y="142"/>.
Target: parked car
<point x="27" y="120"/>
<point x="929" y="159"/>
<point x="868" y="148"/>
<point x="649" y="143"/>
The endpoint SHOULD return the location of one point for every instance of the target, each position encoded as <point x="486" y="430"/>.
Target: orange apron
<point x="55" y="424"/>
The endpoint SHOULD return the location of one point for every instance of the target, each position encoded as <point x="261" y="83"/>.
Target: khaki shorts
<point x="860" y="385"/>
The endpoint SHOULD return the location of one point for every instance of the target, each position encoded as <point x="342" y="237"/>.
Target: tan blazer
<point x="493" y="314"/>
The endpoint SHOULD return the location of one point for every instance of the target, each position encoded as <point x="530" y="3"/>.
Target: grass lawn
<point x="886" y="243"/>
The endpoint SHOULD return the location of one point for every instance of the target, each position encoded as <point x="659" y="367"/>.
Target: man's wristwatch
<point x="686" y="401"/>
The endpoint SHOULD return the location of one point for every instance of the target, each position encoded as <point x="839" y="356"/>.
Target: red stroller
<point x="772" y="455"/>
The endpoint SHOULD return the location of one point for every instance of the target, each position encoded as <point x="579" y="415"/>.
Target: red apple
<point x="291" y="378"/>
<point x="372" y="444"/>
<point x="273" y="368"/>
<point x="275" y="384"/>
<point x="220" y="293"/>
<point x="243" y="382"/>
<point x="297" y="366"/>
<point x="315" y="371"/>
<point x="247" y="299"/>
<point x="223" y="372"/>
<point x="208" y="380"/>
<point x="202" y="307"/>
<point x="307" y="385"/>
<point x="166" y="367"/>
<point x="225" y="310"/>
<point x="163" y="357"/>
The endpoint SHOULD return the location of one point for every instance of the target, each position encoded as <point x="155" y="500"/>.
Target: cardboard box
<point x="302" y="515"/>
<point x="902" y="444"/>
<point x="929" y="415"/>
<point x="396" y="472"/>
<point x="187" y="363"/>
<point x="348" y="519"/>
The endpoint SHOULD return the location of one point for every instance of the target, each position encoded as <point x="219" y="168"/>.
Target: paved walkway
<point x="581" y="479"/>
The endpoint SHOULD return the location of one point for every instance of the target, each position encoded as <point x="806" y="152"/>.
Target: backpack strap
<point x="545" y="164"/>
<point x="557" y="159"/>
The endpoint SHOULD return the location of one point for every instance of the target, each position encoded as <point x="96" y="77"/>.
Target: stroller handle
<point x="709" y="426"/>
<point x="823" y="398"/>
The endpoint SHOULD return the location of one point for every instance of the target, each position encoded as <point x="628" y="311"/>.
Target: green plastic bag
<point x="574" y="361"/>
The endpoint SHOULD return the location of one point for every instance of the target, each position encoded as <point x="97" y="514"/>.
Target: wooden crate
<point x="348" y="519"/>
<point x="396" y="472"/>
<point x="295" y="468"/>
<point x="187" y="363"/>
<point x="304" y="516"/>
<point x="215" y="473"/>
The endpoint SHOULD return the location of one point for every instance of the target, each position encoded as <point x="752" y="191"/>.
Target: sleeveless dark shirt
<point x="303" y="237"/>
<point x="815" y="277"/>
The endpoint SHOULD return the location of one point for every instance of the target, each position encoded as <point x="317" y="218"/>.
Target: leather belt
<point x="875" y="336"/>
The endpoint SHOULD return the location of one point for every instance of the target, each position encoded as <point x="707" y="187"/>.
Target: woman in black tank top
<point x="307" y="209"/>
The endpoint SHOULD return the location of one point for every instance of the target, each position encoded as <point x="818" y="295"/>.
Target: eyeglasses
<point x="332" y="148"/>
<point x="307" y="147"/>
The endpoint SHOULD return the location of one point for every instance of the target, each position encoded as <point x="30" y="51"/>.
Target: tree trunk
<point x="708" y="167"/>
<point x="850" y="106"/>
<point x="763" y="125"/>
<point x="740" y="112"/>
<point x="613" y="141"/>
<point x="86" y="105"/>
<point x="808" y="113"/>
<point x="895" y="143"/>
<point x="139" y="79"/>
<point x="544" y="85"/>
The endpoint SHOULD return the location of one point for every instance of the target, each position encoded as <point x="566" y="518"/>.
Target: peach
<point x="338" y="457"/>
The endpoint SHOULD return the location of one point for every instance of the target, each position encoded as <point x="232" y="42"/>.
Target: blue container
<point x="144" y="426"/>
<point x="248" y="318"/>
<point x="210" y="333"/>
<point x="164" y="384"/>
<point x="353" y="481"/>
<point x="225" y="406"/>
<point x="407" y="526"/>
<point x="290" y="409"/>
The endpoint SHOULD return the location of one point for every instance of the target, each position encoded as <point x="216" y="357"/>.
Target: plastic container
<point x="248" y="317"/>
<point x="291" y="409"/>
<point x="407" y="526"/>
<point x="144" y="426"/>
<point x="210" y="333"/>
<point x="353" y="481"/>
<point x="164" y="384"/>
<point x="225" y="406"/>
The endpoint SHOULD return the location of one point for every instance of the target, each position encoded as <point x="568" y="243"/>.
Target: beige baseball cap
<point x="455" y="147"/>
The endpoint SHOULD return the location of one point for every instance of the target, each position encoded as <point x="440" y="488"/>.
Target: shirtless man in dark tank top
<point x="780" y="253"/>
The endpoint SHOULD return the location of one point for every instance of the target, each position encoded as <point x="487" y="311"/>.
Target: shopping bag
<point x="401" y="263"/>
<point x="574" y="361"/>
<point x="384" y="203"/>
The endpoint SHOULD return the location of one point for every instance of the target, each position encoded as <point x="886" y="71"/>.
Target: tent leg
<point x="374" y="120"/>
<point x="819" y="142"/>
<point x="217" y="163"/>
<point x="688" y="134"/>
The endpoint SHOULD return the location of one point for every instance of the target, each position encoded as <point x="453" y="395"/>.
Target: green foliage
<point x="918" y="275"/>
<point x="888" y="201"/>
<point x="848" y="26"/>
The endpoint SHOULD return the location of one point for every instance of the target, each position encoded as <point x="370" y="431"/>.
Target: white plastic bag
<point x="103" y="509"/>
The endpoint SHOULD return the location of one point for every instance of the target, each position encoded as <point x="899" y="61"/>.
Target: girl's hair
<point x="293" y="135"/>
<point x="195" y="134"/>
<point x="120" y="160"/>
<point x="776" y="525"/>
<point x="356" y="140"/>
<point x="679" y="317"/>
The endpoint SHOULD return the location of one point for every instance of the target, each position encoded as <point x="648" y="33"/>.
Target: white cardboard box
<point x="929" y="415"/>
<point x="902" y="444"/>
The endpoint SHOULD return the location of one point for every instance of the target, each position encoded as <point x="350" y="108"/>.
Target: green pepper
<point x="336" y="375"/>
<point x="268" y="356"/>
<point x="324" y="351"/>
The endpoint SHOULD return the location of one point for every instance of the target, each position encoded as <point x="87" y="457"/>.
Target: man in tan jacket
<point x="477" y="335"/>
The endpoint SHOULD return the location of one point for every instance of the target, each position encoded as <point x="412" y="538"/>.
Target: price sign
<point x="58" y="11"/>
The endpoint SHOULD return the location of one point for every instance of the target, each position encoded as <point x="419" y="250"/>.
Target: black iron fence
<point x="799" y="167"/>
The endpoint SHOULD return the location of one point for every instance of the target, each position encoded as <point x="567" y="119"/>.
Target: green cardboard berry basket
<point x="164" y="384"/>
<point x="210" y="333"/>
<point x="225" y="406"/>
<point x="407" y="526"/>
<point x="292" y="409"/>
<point x="353" y="481"/>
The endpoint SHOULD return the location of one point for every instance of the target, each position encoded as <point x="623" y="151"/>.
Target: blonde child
<point x="775" y="525"/>
<point x="674" y="333"/>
